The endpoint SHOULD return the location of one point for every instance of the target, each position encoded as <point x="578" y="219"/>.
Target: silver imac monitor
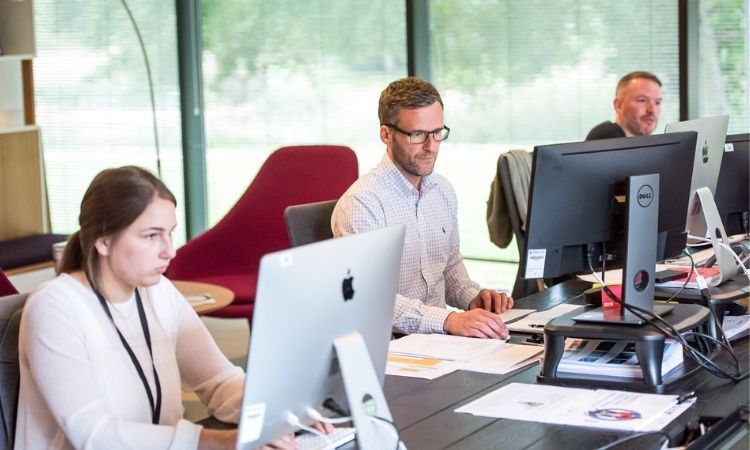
<point x="321" y="328"/>
<point x="709" y="150"/>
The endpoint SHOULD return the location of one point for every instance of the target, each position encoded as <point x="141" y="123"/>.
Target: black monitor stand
<point x="642" y="205"/>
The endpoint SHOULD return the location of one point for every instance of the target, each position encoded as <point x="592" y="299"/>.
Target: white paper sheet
<point x="432" y="355"/>
<point x="513" y="314"/>
<point x="736" y="326"/>
<point x="443" y="346"/>
<point x="506" y="359"/>
<point x="535" y="322"/>
<point x="617" y="410"/>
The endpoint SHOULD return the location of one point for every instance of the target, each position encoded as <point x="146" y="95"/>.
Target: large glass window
<point x="290" y="72"/>
<point x="517" y="74"/>
<point x="93" y="101"/>
<point x="723" y="62"/>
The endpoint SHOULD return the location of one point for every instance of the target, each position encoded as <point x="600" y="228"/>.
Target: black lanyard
<point x="155" y="406"/>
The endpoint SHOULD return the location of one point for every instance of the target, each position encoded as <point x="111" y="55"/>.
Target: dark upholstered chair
<point x="28" y="252"/>
<point x="229" y="253"/>
<point x="310" y="222"/>
<point x="521" y="287"/>
<point x="10" y="320"/>
<point x="6" y="287"/>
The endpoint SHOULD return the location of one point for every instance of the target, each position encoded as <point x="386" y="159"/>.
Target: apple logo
<point x="705" y="152"/>
<point x="347" y="286"/>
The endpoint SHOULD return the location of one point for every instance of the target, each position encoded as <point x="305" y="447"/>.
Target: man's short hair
<point x="632" y="76"/>
<point x="406" y="93"/>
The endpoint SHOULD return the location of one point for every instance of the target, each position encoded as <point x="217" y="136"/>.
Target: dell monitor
<point x="578" y="208"/>
<point x="321" y="328"/>
<point x="732" y="194"/>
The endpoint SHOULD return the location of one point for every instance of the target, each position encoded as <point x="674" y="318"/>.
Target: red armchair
<point x="229" y="253"/>
<point x="6" y="287"/>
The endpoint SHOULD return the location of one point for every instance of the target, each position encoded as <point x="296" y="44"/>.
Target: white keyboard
<point x="339" y="437"/>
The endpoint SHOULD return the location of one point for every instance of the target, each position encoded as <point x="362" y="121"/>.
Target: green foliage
<point x="727" y="19"/>
<point x="249" y="37"/>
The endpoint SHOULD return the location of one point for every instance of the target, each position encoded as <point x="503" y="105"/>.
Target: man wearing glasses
<point x="404" y="189"/>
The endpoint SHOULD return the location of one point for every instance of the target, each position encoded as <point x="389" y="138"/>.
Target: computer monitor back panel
<point x="733" y="188"/>
<point x="572" y="198"/>
<point x="709" y="151"/>
<point x="307" y="297"/>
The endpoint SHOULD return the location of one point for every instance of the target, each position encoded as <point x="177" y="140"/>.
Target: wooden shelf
<point x="17" y="32"/>
<point x="18" y="129"/>
<point x="23" y="210"/>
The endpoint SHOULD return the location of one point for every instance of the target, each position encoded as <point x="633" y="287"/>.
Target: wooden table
<point x="204" y="297"/>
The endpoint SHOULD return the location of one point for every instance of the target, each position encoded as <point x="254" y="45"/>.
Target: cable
<point x="335" y="407"/>
<point x="687" y="279"/>
<point x="294" y="421"/>
<point x="392" y="429"/>
<point x="332" y="405"/>
<point x="668" y="330"/>
<point x="150" y="83"/>
<point x="638" y="435"/>
<point x="740" y="262"/>
<point x="315" y="415"/>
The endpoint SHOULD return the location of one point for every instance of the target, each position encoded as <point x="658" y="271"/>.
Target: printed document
<point x="736" y="327"/>
<point x="535" y="322"/>
<point x="612" y="358"/>
<point x="432" y="355"/>
<point x="616" y="410"/>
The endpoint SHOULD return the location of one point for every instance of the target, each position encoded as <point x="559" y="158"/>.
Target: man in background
<point x="403" y="189"/>
<point x="637" y="106"/>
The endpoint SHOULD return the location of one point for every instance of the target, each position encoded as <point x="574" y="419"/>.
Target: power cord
<point x="392" y="429"/>
<point x="740" y="262"/>
<point x="638" y="435"/>
<point x="315" y="415"/>
<point x="668" y="330"/>
<point x="294" y="421"/>
<point x="332" y="405"/>
<point x="687" y="279"/>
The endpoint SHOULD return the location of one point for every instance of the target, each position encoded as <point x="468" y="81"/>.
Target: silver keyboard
<point x="339" y="437"/>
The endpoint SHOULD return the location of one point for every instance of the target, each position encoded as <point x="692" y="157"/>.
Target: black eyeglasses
<point x="419" y="136"/>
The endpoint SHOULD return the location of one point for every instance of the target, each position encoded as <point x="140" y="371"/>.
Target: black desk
<point x="423" y="409"/>
<point x="731" y="290"/>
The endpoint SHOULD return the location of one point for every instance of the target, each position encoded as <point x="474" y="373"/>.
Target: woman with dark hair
<point x="106" y="347"/>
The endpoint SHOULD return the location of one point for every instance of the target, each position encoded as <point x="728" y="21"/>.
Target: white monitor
<point x="321" y="309"/>
<point x="709" y="150"/>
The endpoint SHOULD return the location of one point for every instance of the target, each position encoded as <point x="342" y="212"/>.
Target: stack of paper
<point x="535" y="322"/>
<point x="710" y="274"/>
<point x="736" y="327"/>
<point x="432" y="355"/>
<point x="600" y="408"/>
<point x="612" y="358"/>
